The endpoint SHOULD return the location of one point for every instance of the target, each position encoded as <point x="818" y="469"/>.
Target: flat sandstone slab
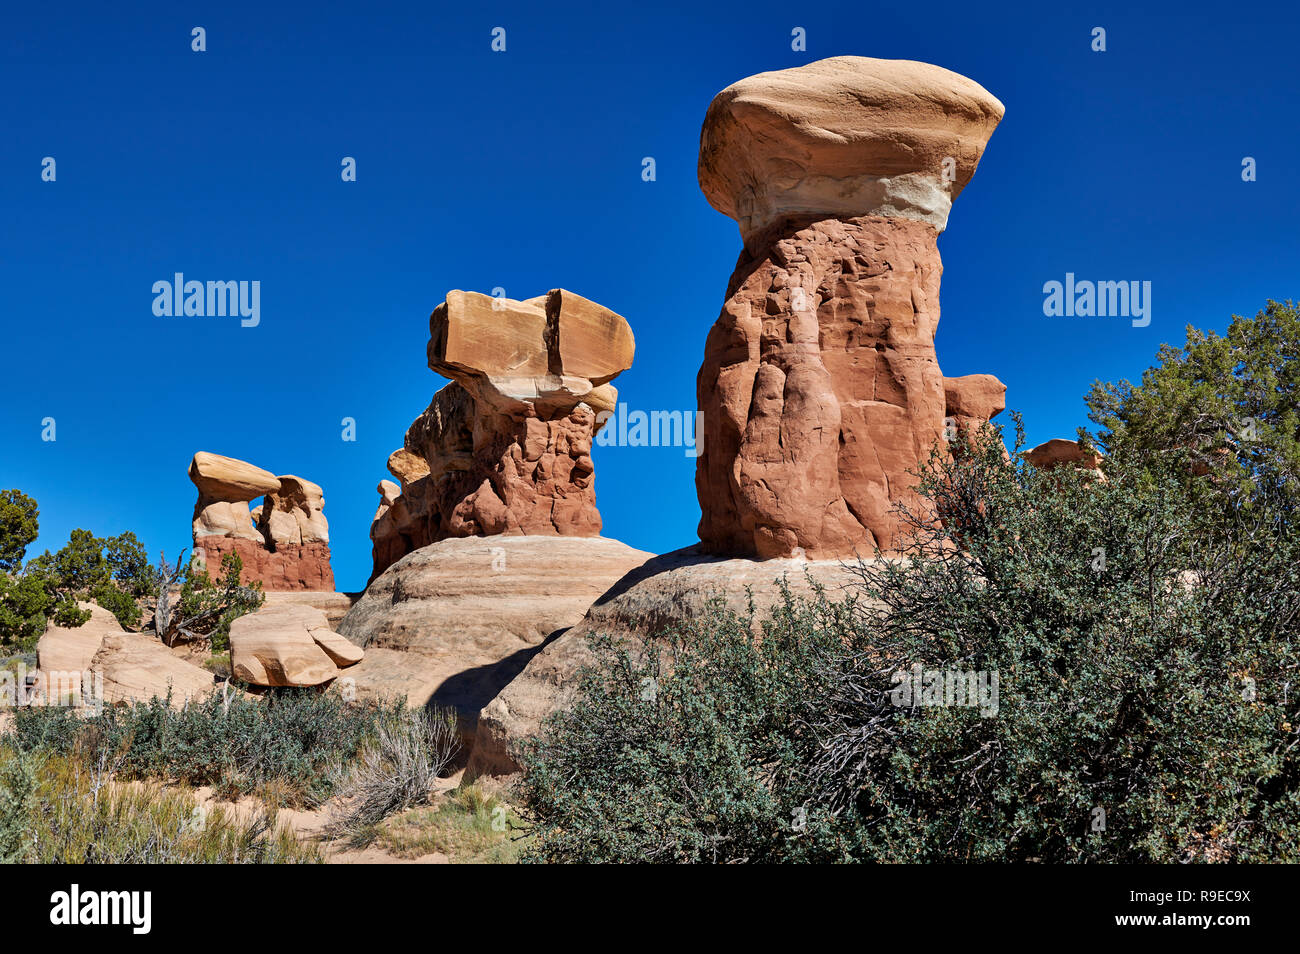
<point x="453" y="622"/>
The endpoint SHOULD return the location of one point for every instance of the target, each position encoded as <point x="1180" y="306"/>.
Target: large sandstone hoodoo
<point x="506" y="447"/>
<point x="288" y="546"/>
<point x="820" y="388"/>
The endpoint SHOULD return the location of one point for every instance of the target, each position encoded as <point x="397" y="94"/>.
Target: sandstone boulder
<point x="662" y="593"/>
<point x="342" y="652"/>
<point x="1060" y="452"/>
<point x="71" y="648"/>
<point x="137" y="667"/>
<point x="820" y="390"/>
<point x="64" y="654"/>
<point x="287" y="644"/>
<point x="75" y="665"/>
<point x="453" y="622"/>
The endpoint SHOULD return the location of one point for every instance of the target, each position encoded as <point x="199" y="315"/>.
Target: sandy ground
<point x="310" y="825"/>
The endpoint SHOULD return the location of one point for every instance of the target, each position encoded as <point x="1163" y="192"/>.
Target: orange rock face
<point x="1062" y="452"/>
<point x="820" y="389"/>
<point x="289" y="566"/>
<point x="506" y="447"/>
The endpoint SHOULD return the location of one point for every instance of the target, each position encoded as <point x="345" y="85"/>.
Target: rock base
<point x="289" y="567"/>
<point x="663" y="592"/>
<point x="452" y="623"/>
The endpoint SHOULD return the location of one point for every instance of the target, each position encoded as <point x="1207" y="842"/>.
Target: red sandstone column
<point x="820" y="388"/>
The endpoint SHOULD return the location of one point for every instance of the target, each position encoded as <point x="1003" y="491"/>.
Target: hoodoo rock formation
<point x="820" y="388"/>
<point x="506" y="447"/>
<point x="288" y="546"/>
<point x="970" y="401"/>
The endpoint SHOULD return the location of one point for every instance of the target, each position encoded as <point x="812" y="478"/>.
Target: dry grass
<point x="396" y="770"/>
<point x="468" y="825"/>
<point x="76" y="814"/>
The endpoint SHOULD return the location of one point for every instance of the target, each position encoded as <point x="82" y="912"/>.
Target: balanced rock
<point x="844" y="137"/>
<point x="284" y="542"/>
<point x="971" y="401"/>
<point x="227" y="479"/>
<point x="820" y="389"/>
<point x="452" y="623"/>
<point x="974" y="397"/>
<point x="284" y="644"/>
<point x="660" y="594"/>
<point x="506" y="447"/>
<point x="1061" y="452"/>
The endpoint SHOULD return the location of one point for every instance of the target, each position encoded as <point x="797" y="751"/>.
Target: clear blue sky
<point x="522" y="170"/>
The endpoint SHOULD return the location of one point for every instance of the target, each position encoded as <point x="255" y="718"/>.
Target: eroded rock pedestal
<point x="506" y="447"/>
<point x="820" y="388"/>
<point x="284" y="543"/>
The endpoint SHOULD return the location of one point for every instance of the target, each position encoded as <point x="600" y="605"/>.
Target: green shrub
<point x="680" y="750"/>
<point x="205" y="608"/>
<point x="1144" y="708"/>
<point x="1222" y="404"/>
<point x="27" y="607"/>
<point x="18" y="528"/>
<point x="17" y="796"/>
<point x="112" y="571"/>
<point x="290" y="742"/>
